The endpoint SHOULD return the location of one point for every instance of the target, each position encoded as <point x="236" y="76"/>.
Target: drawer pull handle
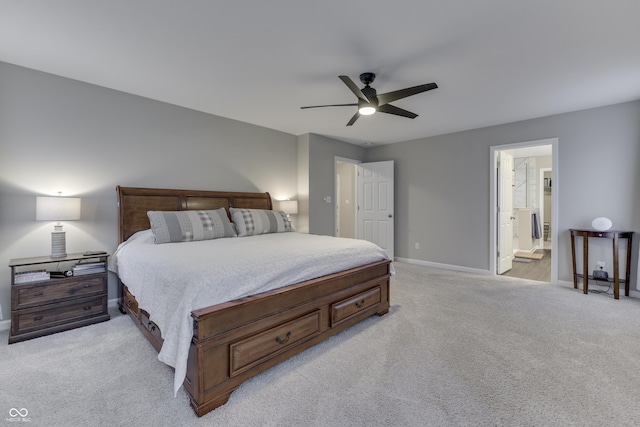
<point x="87" y="285"/>
<point x="283" y="341"/>
<point x="37" y="318"/>
<point x="360" y="303"/>
<point x="88" y="307"/>
<point x="151" y="327"/>
<point x="128" y="302"/>
<point x="37" y="294"/>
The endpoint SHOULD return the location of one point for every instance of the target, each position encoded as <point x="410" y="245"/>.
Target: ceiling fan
<point x="369" y="101"/>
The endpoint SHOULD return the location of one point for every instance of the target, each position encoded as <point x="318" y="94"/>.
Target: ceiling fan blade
<point x="355" y="89"/>
<point x="385" y="98"/>
<point x="331" y="105"/>
<point x="353" y="119"/>
<point x="391" y="109"/>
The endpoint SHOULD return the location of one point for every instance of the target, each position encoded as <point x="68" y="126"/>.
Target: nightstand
<point x="48" y="306"/>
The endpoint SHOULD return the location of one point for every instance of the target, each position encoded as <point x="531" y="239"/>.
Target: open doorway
<point x="524" y="210"/>
<point x="346" y="197"/>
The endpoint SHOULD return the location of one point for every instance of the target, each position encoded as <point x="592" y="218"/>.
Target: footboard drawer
<point x="345" y="309"/>
<point x="130" y="302"/>
<point x="153" y="329"/>
<point x="253" y="350"/>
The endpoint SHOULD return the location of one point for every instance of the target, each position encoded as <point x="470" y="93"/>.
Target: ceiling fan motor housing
<point x="367" y="78"/>
<point x="371" y="95"/>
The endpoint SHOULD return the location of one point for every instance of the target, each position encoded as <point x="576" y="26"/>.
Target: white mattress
<point x="171" y="280"/>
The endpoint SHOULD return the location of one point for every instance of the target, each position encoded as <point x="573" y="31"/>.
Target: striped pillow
<point x="250" y="222"/>
<point x="186" y="226"/>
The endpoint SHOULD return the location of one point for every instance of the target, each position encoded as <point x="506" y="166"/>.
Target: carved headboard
<point x="133" y="204"/>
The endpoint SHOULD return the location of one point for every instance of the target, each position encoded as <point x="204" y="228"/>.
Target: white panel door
<point x="375" y="204"/>
<point x="505" y="212"/>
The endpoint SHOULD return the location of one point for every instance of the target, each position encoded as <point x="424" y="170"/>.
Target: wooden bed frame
<point x="239" y="339"/>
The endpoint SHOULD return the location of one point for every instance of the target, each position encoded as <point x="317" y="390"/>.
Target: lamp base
<point x="58" y="243"/>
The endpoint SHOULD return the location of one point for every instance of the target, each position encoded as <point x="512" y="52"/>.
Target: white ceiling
<point x="496" y="61"/>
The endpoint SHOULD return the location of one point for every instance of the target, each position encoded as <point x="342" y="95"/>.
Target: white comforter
<point x="170" y="280"/>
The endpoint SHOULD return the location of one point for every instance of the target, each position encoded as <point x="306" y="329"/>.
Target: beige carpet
<point x="455" y="350"/>
<point x="528" y="255"/>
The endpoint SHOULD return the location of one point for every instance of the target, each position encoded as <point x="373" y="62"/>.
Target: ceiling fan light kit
<point x="369" y="101"/>
<point x="366" y="110"/>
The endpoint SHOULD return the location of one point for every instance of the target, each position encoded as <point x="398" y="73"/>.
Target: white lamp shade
<point x="57" y="208"/>
<point x="288" y="206"/>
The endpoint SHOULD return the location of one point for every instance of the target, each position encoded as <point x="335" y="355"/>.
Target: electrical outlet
<point x="602" y="265"/>
<point x="417" y="245"/>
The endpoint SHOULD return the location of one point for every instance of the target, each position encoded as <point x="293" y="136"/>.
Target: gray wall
<point x="442" y="183"/>
<point x="303" y="184"/>
<point x="58" y="134"/>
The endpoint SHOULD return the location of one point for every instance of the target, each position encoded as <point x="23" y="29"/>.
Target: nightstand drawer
<point x="56" y="290"/>
<point x="51" y="315"/>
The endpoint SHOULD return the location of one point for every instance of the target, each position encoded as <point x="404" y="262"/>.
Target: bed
<point x="233" y="340"/>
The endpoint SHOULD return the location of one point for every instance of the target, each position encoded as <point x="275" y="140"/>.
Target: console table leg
<point x="616" y="274"/>
<point x="585" y="264"/>
<point x="573" y="257"/>
<point x="628" y="268"/>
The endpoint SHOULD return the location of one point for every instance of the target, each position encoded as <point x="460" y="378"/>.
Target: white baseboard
<point x="444" y="266"/>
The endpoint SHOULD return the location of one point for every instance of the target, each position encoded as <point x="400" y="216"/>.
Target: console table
<point x="616" y="235"/>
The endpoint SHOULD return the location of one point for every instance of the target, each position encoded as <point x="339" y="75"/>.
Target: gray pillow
<point x="186" y="226"/>
<point x="250" y="222"/>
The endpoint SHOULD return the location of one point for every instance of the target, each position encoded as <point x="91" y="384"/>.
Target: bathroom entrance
<point x="524" y="210"/>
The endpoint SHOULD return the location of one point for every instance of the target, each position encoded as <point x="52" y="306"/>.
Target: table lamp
<point x="288" y="206"/>
<point x="58" y="209"/>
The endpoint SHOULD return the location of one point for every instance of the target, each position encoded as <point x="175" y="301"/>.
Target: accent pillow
<point x="250" y="222"/>
<point x="186" y="226"/>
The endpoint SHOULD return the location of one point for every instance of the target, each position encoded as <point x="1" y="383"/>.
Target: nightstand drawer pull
<point x="360" y="303"/>
<point x="37" y="318"/>
<point x="87" y="285"/>
<point x="37" y="294"/>
<point x="88" y="307"/>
